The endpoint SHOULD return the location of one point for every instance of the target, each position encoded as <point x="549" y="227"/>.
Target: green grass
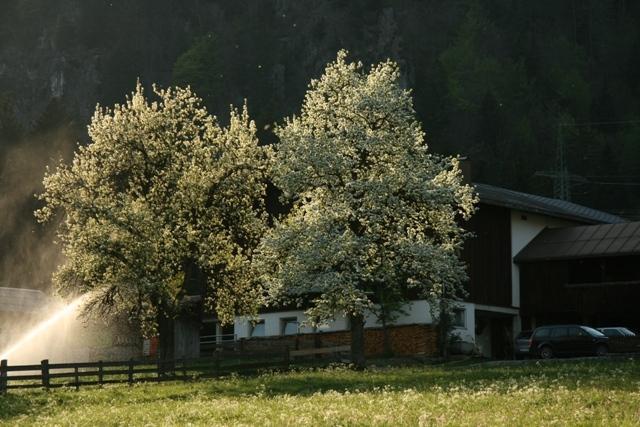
<point x="564" y="393"/>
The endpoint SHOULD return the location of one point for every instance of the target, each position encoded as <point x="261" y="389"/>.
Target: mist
<point x="28" y="255"/>
<point x="34" y="327"/>
<point x="28" y="258"/>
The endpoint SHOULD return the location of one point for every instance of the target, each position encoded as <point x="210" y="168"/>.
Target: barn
<point x="584" y="274"/>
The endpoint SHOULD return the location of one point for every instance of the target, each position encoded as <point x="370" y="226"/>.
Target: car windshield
<point x="593" y="332"/>
<point x="627" y="332"/>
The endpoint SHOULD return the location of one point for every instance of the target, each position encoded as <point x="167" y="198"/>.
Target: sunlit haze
<point x="36" y="343"/>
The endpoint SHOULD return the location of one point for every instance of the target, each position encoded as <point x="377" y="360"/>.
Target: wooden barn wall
<point x="542" y="288"/>
<point x="488" y="256"/>
<point x="547" y="299"/>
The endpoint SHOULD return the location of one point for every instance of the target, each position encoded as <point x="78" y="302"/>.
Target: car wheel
<point x="546" y="352"/>
<point x="601" y="350"/>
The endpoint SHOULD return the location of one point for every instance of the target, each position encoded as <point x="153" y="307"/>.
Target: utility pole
<point x="560" y="175"/>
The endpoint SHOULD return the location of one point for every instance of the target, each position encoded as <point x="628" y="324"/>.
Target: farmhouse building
<point x="506" y="222"/>
<point x="505" y="290"/>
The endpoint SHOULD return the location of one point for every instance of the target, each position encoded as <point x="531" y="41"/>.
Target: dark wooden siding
<point x="552" y="293"/>
<point x="488" y="256"/>
<point x="542" y="288"/>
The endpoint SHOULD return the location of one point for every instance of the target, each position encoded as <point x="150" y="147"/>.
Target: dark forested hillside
<point x="504" y="82"/>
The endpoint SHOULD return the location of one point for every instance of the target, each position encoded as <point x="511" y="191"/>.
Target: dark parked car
<point x="621" y="339"/>
<point x="568" y="340"/>
<point x="617" y="331"/>
<point x="521" y="345"/>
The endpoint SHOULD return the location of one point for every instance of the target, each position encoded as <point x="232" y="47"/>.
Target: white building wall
<point x="416" y="312"/>
<point x="467" y="332"/>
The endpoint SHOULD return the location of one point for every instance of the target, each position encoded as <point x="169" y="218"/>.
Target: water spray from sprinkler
<point x="64" y="312"/>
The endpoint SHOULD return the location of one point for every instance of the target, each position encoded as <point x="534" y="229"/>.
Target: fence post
<point x="45" y="373"/>
<point x="287" y="357"/>
<point x="100" y="372"/>
<point x="131" y="371"/>
<point x="159" y="366"/>
<point x="3" y="376"/>
<point x="77" y="377"/>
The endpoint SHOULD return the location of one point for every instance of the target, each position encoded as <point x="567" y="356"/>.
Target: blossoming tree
<point x="163" y="203"/>
<point x="372" y="209"/>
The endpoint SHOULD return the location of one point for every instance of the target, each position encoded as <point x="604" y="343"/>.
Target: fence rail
<point x="52" y="375"/>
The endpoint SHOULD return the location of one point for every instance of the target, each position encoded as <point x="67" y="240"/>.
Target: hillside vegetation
<point x="491" y="80"/>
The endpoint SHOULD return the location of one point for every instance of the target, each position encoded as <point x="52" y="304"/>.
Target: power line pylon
<point x="561" y="180"/>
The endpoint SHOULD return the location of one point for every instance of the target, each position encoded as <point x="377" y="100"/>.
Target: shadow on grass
<point x="15" y="404"/>
<point x="608" y="374"/>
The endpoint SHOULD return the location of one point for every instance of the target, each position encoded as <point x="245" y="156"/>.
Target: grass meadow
<point x="583" y="392"/>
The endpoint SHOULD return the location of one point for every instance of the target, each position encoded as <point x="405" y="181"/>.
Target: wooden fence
<point x="50" y="375"/>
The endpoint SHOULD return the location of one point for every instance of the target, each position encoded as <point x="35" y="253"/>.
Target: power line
<point x="611" y="122"/>
<point x="612" y="176"/>
<point x="561" y="176"/>
<point x="630" y="184"/>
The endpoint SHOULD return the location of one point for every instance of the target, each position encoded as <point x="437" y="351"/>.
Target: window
<point x="457" y="320"/>
<point x="257" y="329"/>
<point x="577" y="332"/>
<point x="593" y="332"/>
<point x="209" y="332"/>
<point x="559" y="332"/>
<point x="627" y="332"/>
<point x="289" y="326"/>
<point x="209" y="328"/>
<point x="541" y="333"/>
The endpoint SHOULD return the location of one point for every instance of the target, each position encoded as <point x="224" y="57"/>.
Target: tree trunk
<point x="166" y="341"/>
<point x="444" y="326"/>
<point x="386" y="338"/>
<point x="357" y="341"/>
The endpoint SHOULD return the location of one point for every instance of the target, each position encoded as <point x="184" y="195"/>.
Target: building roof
<point x="587" y="241"/>
<point x="18" y="300"/>
<point x="543" y="205"/>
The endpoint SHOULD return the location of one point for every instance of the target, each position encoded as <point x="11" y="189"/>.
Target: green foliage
<point x="565" y="68"/>
<point x="470" y="64"/>
<point x="160" y="194"/>
<point x="198" y="68"/>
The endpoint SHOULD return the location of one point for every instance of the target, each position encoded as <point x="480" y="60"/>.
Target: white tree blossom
<point x="161" y="191"/>
<point x="371" y="207"/>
